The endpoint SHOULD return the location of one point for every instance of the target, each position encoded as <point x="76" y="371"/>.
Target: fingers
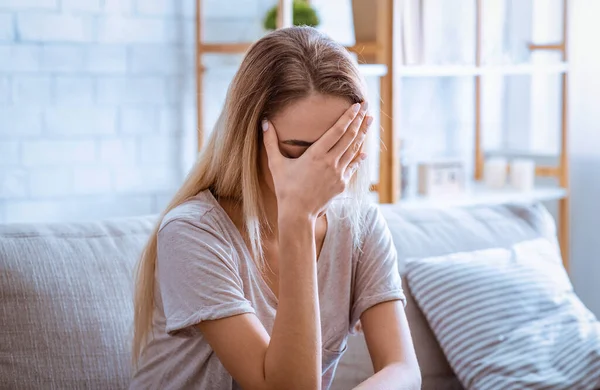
<point x="351" y="133"/>
<point x="353" y="167"/>
<point x="271" y="141"/>
<point x="333" y="135"/>
<point x="357" y="143"/>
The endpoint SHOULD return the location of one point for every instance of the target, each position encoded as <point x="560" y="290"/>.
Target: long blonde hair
<point x="283" y="66"/>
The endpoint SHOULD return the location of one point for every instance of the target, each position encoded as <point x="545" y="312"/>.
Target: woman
<point x="259" y="269"/>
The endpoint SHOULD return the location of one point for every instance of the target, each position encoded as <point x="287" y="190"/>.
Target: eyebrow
<point x="296" y="142"/>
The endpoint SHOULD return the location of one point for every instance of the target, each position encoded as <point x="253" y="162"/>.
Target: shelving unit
<point x="386" y="52"/>
<point x="476" y="194"/>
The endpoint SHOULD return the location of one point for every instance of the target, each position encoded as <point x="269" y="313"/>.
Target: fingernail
<point x="365" y="105"/>
<point x="356" y="107"/>
<point x="369" y="120"/>
<point x="265" y="125"/>
<point x="363" y="156"/>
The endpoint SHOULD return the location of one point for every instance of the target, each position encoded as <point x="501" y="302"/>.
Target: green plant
<point x="303" y="15"/>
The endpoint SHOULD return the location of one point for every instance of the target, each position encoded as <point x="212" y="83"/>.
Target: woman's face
<point x="302" y="123"/>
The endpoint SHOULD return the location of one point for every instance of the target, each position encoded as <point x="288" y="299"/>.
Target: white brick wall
<point x="9" y="150"/>
<point x="139" y="120"/>
<point x="111" y="59"/>
<point x="116" y="29"/>
<point x="50" y="27"/>
<point x="166" y="7"/>
<point x="5" y="90"/>
<point x="158" y="59"/>
<point x="13" y="183"/>
<point x="7" y="29"/>
<point x="81" y="121"/>
<point x="82" y="5"/>
<point x="73" y="90"/>
<point x="20" y="122"/>
<point x="50" y="182"/>
<point x="58" y="153"/>
<point x="19" y="57"/>
<point x="28" y="4"/>
<point x="118" y="152"/>
<point x="131" y="90"/>
<point x="97" y="101"/>
<point x="92" y="180"/>
<point x="62" y="58"/>
<point x="79" y="208"/>
<point x="32" y="90"/>
<point x="118" y="7"/>
<point x="157" y="149"/>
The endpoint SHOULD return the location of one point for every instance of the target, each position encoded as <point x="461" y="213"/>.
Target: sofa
<point x="65" y="293"/>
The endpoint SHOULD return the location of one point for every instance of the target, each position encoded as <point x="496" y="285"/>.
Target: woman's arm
<point x="390" y="345"/>
<point x="295" y="358"/>
<point x="291" y="358"/>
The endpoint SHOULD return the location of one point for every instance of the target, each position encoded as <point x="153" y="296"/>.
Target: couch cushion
<point x="508" y="318"/>
<point x="66" y="303"/>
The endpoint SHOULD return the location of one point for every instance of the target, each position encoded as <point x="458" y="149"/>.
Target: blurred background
<point x="99" y="112"/>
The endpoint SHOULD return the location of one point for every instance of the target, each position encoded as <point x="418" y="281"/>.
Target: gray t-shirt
<point x="204" y="272"/>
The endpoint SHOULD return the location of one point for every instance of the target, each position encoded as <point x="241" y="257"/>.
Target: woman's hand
<point x="307" y="184"/>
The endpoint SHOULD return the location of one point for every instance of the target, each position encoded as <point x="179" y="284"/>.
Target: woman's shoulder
<point x="199" y="212"/>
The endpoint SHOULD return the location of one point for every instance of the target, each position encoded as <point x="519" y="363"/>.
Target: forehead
<point x="307" y="119"/>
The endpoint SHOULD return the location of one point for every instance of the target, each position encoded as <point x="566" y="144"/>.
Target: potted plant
<point x="303" y="15"/>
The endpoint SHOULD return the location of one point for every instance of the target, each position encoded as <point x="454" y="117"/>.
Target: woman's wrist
<point x="294" y="216"/>
<point x="296" y="232"/>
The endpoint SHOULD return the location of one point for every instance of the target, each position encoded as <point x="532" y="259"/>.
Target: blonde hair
<point x="283" y="66"/>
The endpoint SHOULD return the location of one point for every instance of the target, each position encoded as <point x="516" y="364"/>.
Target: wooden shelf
<point x="470" y="70"/>
<point x="477" y="194"/>
<point x="241" y="47"/>
<point x="224" y="48"/>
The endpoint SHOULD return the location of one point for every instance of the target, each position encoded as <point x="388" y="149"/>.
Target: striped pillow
<point x="508" y="318"/>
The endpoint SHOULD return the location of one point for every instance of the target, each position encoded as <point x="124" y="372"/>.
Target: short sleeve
<point x="197" y="276"/>
<point x="377" y="279"/>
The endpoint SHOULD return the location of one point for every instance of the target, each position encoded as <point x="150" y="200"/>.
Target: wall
<point x="585" y="150"/>
<point x="97" y="101"/>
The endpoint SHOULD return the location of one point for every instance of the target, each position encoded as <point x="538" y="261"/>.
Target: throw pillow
<point x="509" y="318"/>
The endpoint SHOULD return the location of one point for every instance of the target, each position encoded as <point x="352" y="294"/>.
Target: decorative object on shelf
<point x="522" y="174"/>
<point x="441" y="178"/>
<point x="303" y="15"/>
<point x="494" y="174"/>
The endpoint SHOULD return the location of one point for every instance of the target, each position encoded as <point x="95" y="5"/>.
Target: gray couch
<point x="65" y="293"/>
